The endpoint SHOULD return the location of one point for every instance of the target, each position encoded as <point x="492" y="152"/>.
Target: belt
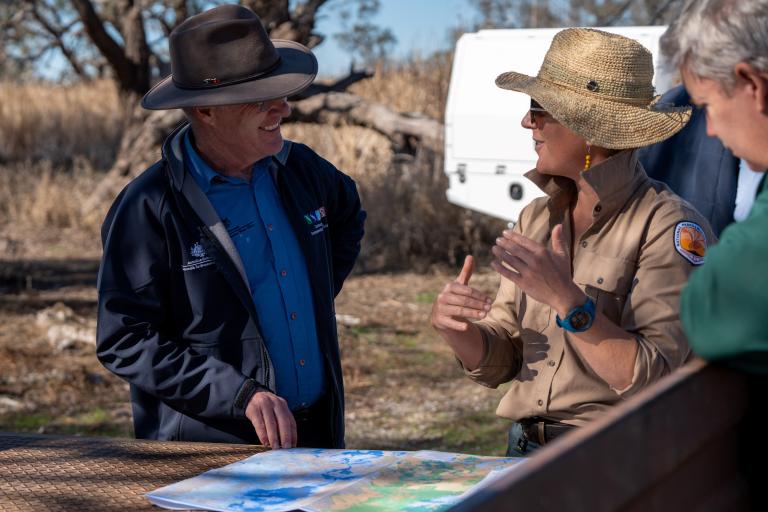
<point x="541" y="431"/>
<point x="319" y="408"/>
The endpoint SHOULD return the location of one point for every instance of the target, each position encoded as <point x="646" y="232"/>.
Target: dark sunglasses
<point x="536" y="110"/>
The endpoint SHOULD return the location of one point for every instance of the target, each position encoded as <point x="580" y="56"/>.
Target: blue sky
<point x="420" y="26"/>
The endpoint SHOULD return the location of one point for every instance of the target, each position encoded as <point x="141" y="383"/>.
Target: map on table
<point x="353" y="480"/>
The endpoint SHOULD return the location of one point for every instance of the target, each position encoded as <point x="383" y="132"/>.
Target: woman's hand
<point x="542" y="273"/>
<point x="458" y="303"/>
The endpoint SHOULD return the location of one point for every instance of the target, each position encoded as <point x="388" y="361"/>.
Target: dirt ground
<point x="404" y="389"/>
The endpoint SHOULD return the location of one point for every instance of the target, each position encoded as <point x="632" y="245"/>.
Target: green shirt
<point x="724" y="306"/>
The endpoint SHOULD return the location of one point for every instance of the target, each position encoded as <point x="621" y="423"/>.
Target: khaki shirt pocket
<point x="533" y="316"/>
<point x="607" y="281"/>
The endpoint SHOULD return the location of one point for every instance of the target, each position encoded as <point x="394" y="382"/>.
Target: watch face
<point x="580" y="319"/>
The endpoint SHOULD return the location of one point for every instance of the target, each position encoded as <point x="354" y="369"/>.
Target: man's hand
<point x="272" y="420"/>
<point x="458" y="303"/>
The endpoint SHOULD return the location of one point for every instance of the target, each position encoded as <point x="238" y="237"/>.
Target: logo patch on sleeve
<point x="691" y="242"/>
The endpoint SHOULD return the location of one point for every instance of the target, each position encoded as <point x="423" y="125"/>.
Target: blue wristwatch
<point x="579" y="319"/>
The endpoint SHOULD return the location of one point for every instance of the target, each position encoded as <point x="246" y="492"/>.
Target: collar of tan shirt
<point x="614" y="180"/>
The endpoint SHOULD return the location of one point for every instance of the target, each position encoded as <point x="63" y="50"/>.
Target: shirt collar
<point x="614" y="181"/>
<point x="204" y="174"/>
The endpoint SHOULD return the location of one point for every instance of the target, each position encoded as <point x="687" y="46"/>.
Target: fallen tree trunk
<point x="405" y="131"/>
<point x="140" y="145"/>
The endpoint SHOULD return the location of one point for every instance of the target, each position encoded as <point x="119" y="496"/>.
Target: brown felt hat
<point x="599" y="85"/>
<point x="224" y="56"/>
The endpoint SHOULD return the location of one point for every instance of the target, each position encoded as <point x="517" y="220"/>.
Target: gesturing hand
<point x="542" y="273"/>
<point x="272" y="419"/>
<point x="459" y="303"/>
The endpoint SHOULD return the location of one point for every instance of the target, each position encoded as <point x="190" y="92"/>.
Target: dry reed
<point x="415" y="85"/>
<point x="59" y="123"/>
<point x="40" y="211"/>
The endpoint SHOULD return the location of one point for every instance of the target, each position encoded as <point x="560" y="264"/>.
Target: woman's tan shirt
<point x="627" y="262"/>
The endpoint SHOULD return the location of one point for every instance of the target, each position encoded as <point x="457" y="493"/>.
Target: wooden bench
<point x="675" y="446"/>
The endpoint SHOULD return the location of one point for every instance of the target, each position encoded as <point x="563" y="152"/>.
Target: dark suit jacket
<point x="695" y="166"/>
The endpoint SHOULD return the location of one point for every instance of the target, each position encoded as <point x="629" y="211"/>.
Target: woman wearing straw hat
<point x="587" y="310"/>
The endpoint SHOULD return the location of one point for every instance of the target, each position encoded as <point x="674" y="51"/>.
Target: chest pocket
<point x="533" y="316"/>
<point x="607" y="281"/>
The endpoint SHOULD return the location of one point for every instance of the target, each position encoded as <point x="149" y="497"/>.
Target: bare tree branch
<point x="659" y="14"/>
<point x="609" y="20"/>
<point x="130" y="63"/>
<point x="405" y="131"/>
<point x="57" y="33"/>
<point x="339" y="85"/>
<point x="94" y="27"/>
<point x="273" y="13"/>
<point x="180" y="12"/>
<point x="32" y="57"/>
<point x="308" y="10"/>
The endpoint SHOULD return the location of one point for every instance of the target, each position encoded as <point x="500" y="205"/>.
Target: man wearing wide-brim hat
<point x="222" y="260"/>
<point x="587" y="311"/>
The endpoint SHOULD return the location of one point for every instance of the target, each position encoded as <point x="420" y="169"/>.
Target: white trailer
<point x="486" y="150"/>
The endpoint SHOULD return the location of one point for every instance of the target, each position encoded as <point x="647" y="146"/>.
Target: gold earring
<point x="588" y="158"/>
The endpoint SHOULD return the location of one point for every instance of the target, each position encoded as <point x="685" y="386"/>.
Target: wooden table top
<point x="83" y="474"/>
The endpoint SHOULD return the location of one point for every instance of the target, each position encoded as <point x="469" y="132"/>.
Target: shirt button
<point x="294" y="316"/>
<point x="283" y="272"/>
<point x="301" y="362"/>
<point x="540" y="402"/>
<point x="584" y="243"/>
<point x="270" y="227"/>
<point x="599" y="280"/>
<point x="551" y="362"/>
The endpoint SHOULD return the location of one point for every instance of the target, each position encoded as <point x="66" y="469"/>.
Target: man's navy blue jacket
<point x="175" y="316"/>
<point x="696" y="167"/>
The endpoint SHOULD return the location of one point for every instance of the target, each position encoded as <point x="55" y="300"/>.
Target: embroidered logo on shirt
<point x="197" y="251"/>
<point x="691" y="242"/>
<point x="198" y="258"/>
<point x="316" y="219"/>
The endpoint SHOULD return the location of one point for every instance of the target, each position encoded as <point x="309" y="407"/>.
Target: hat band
<point x="213" y="83"/>
<point x="640" y="102"/>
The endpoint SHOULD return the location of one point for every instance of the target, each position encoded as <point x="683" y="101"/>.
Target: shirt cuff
<point x="646" y="368"/>
<point x="499" y="362"/>
<point x="243" y="397"/>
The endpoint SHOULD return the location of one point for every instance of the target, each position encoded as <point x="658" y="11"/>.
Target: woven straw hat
<point x="599" y="86"/>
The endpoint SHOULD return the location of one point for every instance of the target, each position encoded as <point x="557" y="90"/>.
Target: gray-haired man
<point x="721" y="49"/>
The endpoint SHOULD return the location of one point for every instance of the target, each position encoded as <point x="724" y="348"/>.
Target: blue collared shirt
<point x="277" y="273"/>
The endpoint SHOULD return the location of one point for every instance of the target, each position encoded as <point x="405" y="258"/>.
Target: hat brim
<point x="603" y="122"/>
<point x="296" y="71"/>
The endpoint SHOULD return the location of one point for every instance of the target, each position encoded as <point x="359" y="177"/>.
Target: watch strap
<point x="588" y="308"/>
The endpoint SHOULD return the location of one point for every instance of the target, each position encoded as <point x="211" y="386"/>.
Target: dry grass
<point x="53" y="137"/>
<point x="59" y="123"/>
<point x="417" y="85"/>
<point x="363" y="154"/>
<point x="40" y="211"/>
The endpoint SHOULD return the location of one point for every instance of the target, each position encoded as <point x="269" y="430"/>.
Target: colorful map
<point x="350" y="480"/>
